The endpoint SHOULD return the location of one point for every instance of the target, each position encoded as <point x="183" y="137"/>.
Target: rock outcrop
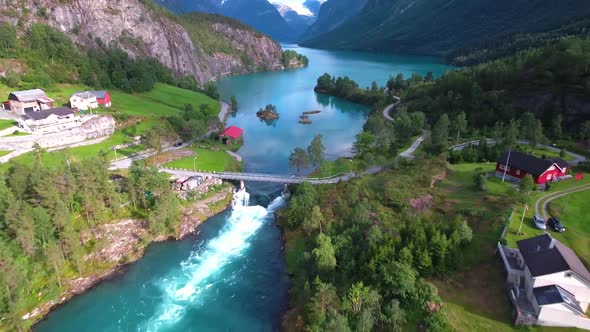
<point x="141" y="29"/>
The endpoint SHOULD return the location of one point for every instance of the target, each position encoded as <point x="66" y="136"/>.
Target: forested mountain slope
<point x="437" y="26"/>
<point x="202" y="46"/>
<point x="259" y="14"/>
<point x="332" y="14"/>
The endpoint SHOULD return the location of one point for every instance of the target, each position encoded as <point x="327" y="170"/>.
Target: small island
<point x="304" y="119"/>
<point x="269" y="113"/>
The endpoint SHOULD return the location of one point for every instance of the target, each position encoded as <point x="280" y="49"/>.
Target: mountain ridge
<point x="438" y="26"/>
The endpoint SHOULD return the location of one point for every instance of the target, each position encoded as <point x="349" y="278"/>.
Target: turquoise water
<point x="231" y="275"/>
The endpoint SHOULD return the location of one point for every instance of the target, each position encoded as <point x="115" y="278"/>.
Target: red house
<point x="231" y="133"/>
<point x="102" y="97"/>
<point x="515" y="165"/>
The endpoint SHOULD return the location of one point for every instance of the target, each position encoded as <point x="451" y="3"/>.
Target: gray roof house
<point x="548" y="283"/>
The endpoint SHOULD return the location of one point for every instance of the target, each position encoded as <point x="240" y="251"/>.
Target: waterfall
<point x="183" y="287"/>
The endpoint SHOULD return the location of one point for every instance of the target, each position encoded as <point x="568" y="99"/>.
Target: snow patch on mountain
<point x="295" y="7"/>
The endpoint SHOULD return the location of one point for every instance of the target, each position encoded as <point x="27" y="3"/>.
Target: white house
<point x="548" y="284"/>
<point x="49" y="121"/>
<point x="83" y="101"/>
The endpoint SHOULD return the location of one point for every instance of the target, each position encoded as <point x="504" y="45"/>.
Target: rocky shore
<point x="124" y="242"/>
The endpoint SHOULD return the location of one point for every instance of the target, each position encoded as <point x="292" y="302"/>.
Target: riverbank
<point x="127" y="241"/>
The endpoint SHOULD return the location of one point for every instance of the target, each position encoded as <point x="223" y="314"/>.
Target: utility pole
<point x="194" y="163"/>
<point x="526" y="207"/>
<point x="506" y="166"/>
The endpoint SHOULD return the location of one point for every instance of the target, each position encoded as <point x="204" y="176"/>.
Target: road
<point x="409" y="153"/>
<point x="542" y="203"/>
<point x="386" y="110"/>
<point x="577" y="158"/>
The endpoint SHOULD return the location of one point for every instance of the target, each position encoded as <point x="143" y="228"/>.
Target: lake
<point x="231" y="275"/>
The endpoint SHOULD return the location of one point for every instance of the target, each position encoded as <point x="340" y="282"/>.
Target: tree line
<point x="48" y="218"/>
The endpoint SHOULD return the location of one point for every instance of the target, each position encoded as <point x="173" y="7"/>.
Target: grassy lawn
<point x="573" y="212"/>
<point x="5" y="124"/>
<point x="543" y="152"/>
<point x="162" y="100"/>
<point x="17" y="133"/>
<point x="206" y="160"/>
<point x="4" y="152"/>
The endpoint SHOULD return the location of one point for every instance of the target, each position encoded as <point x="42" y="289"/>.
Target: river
<point x="231" y="275"/>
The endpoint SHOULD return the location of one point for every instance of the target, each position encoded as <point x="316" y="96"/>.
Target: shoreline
<point x="87" y="283"/>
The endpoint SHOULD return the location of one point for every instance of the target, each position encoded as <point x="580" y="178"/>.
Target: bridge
<point x="273" y="178"/>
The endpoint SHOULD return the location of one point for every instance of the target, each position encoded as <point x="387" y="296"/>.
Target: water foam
<point x="183" y="286"/>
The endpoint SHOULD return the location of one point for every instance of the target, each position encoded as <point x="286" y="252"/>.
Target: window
<point x="549" y="176"/>
<point x="517" y="172"/>
<point x="504" y="167"/>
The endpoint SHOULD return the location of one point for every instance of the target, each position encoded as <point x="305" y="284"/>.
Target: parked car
<point x="177" y="144"/>
<point x="557" y="226"/>
<point x="539" y="222"/>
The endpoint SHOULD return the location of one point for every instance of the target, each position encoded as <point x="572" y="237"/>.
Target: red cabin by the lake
<point x="514" y="165"/>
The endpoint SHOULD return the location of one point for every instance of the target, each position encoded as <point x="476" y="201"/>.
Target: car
<point x="177" y="144"/>
<point x="539" y="222"/>
<point x="556" y="225"/>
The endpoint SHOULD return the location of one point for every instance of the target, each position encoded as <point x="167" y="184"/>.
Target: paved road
<point x="542" y="202"/>
<point x="577" y="158"/>
<point x="225" y="110"/>
<point x="386" y="110"/>
<point x="409" y="153"/>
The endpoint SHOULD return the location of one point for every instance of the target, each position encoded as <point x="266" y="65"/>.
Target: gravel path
<point x="542" y="202"/>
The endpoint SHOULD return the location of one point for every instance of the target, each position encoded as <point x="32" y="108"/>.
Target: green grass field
<point x="19" y="133"/>
<point x="206" y="160"/>
<point x="544" y="152"/>
<point x="4" y="152"/>
<point x="5" y="124"/>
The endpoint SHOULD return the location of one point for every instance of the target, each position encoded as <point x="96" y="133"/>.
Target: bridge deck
<point x="259" y="177"/>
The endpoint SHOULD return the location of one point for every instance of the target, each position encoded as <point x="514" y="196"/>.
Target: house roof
<point x="530" y="164"/>
<point x="100" y="94"/>
<point x="545" y="255"/>
<point x="233" y="132"/>
<point x="28" y="95"/>
<point x="40" y="115"/>
<point x="45" y="100"/>
<point x="84" y="94"/>
<point x="555" y="294"/>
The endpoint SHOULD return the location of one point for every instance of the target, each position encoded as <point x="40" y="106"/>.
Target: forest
<point x="360" y="253"/>
<point x="47" y="222"/>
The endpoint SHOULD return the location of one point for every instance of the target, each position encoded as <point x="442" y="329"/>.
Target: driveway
<point x="542" y="202"/>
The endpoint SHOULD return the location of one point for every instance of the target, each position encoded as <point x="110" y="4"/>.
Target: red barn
<point x="102" y="97"/>
<point x="231" y="133"/>
<point x="515" y="165"/>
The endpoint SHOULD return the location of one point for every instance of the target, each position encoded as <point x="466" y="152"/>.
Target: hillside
<point x="332" y="14"/>
<point x="259" y="14"/>
<point x="203" y="46"/>
<point x="438" y="26"/>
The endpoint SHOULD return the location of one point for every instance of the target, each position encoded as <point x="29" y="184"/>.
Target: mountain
<point x="200" y="45"/>
<point x="332" y="14"/>
<point x="438" y="26"/>
<point x="298" y="17"/>
<point x="259" y="14"/>
<point x="314" y="6"/>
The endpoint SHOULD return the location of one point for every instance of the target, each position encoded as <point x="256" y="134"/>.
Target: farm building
<point x="231" y="134"/>
<point x="49" y="121"/>
<point x="102" y="97"/>
<point x="514" y="166"/>
<point x="23" y="102"/>
<point x="83" y="101"/>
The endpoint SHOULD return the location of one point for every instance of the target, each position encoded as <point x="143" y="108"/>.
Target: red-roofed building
<point x="232" y="134"/>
